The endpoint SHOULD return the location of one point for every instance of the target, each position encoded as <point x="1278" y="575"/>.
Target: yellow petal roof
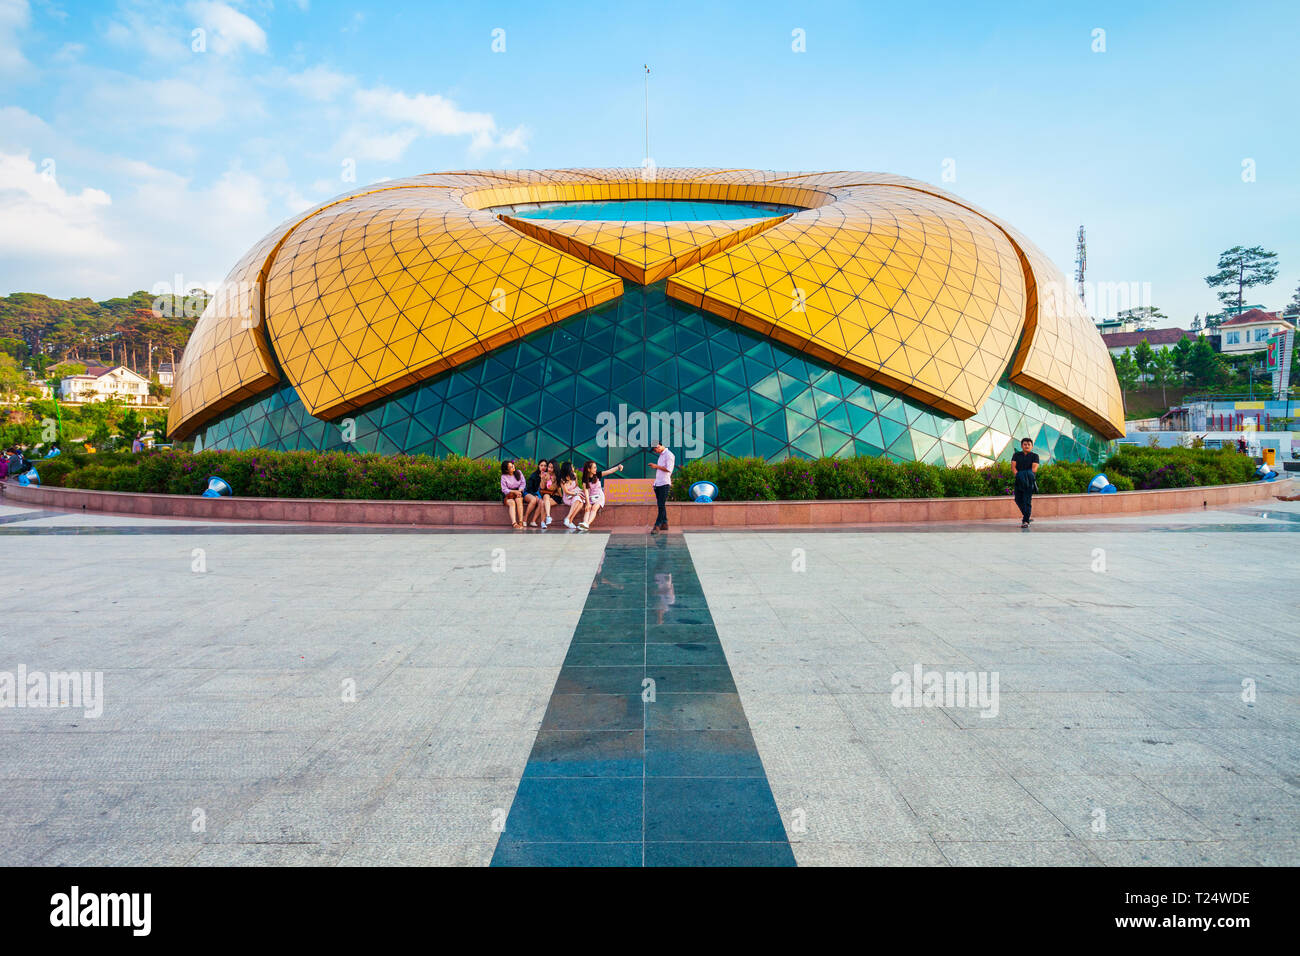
<point x="642" y="252"/>
<point x="892" y="279"/>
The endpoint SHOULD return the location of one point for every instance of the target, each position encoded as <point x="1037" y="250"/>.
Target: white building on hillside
<point x="1250" y="331"/>
<point x="99" y="384"/>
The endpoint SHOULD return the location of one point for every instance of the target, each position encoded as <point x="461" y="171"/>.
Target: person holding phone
<point x="534" y="508"/>
<point x="663" y="484"/>
<point x="572" y="494"/>
<point x="591" y="475"/>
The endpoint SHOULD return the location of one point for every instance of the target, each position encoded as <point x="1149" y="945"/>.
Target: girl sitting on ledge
<point x="591" y="475"/>
<point x="512" y="493"/>
<point x="572" y="493"/>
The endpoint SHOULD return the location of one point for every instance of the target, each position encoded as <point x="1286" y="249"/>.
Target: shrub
<point x="90" y="478"/>
<point x="1065" y="478"/>
<point x="792" y="479"/>
<point x="745" y="479"/>
<point x="1001" y="479"/>
<point x="55" y="471"/>
<point x="1192" y="466"/>
<point x="921" y="480"/>
<point x="965" y="482"/>
<point x="1176" y="474"/>
<point x="839" y="478"/>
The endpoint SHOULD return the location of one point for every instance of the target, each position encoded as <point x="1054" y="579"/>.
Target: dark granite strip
<point x="645" y="756"/>
<point x="28" y="516"/>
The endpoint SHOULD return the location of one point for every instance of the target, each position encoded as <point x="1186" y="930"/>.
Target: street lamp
<point x="1251" y="379"/>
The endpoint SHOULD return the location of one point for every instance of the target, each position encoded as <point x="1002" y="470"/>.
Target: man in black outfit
<point x="1025" y="462"/>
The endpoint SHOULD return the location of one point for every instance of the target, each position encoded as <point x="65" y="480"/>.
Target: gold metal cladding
<point x="380" y="292"/>
<point x="226" y="359"/>
<point x="890" y="278"/>
<point x="899" y="287"/>
<point x="642" y="252"/>
<point x="1061" y="356"/>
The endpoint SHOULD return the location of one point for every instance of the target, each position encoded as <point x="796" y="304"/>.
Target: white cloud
<point x="151" y="31"/>
<point x="229" y="30"/>
<point x="364" y="142"/>
<point x="424" y="113"/>
<point x="65" y="243"/>
<point x="39" y="219"/>
<point x="69" y="52"/>
<point x="517" y="138"/>
<point x="19" y="126"/>
<point x="14" y="16"/>
<point x="319" y="83"/>
<point x="430" y="112"/>
<point x="201" y="155"/>
<point x="171" y="102"/>
<point x="295" y="202"/>
<point x="53" y="10"/>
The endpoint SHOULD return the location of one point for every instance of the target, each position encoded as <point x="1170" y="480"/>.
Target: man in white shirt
<point x="663" y="484"/>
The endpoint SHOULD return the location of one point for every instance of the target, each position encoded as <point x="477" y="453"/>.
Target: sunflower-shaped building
<point x="513" y="313"/>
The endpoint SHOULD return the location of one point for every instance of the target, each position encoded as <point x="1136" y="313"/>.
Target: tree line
<point x="140" y="331"/>
<point x="1193" y="362"/>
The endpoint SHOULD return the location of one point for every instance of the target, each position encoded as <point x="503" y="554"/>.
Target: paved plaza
<point x="317" y="695"/>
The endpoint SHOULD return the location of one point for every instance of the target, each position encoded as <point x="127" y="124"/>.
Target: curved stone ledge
<point x="681" y="515"/>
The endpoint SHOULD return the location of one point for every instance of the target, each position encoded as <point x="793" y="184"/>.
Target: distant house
<point x="1158" y="339"/>
<point x="42" y="390"/>
<point x="1250" y="331"/>
<point x="1117" y="324"/>
<point x="100" y="383"/>
<point x="166" y="375"/>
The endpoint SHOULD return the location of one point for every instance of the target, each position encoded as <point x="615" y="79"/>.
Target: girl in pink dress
<point x="591" y="475"/>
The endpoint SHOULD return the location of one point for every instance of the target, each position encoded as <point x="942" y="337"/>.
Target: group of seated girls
<point x="529" y="500"/>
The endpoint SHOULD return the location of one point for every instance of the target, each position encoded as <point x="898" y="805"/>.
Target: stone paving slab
<point x="1121" y="735"/>
<point x="224" y="693"/>
<point x="1120" y="690"/>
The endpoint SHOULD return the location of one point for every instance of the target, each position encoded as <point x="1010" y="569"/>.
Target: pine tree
<point x="1241" y="269"/>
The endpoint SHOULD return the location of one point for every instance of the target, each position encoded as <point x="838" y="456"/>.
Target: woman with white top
<point x="572" y="493"/>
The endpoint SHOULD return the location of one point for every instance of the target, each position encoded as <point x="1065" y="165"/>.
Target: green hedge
<point x="1179" y="467"/>
<point x="796" y="479"/>
<point x="296" y="474"/>
<point x="303" y="474"/>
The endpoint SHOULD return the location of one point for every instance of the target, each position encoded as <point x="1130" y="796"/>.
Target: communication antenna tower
<point x="1081" y="266"/>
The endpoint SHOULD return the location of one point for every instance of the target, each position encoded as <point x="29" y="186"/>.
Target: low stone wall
<point x="721" y="514"/>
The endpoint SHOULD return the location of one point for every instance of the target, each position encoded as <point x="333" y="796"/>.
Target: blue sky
<point x="128" y="159"/>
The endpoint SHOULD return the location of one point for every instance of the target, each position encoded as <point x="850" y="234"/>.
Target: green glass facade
<point x="541" y="396"/>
